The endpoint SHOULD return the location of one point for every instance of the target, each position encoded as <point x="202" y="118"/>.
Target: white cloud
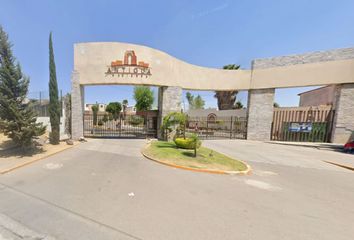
<point x="210" y="11"/>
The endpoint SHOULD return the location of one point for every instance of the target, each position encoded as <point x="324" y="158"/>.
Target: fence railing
<point x="232" y="127"/>
<point x="39" y="101"/>
<point x="312" y="124"/>
<point x="130" y="126"/>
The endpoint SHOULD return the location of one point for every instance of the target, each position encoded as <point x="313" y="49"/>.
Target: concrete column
<point x="170" y="99"/>
<point x="343" y="125"/>
<point x="260" y="114"/>
<point x="77" y="107"/>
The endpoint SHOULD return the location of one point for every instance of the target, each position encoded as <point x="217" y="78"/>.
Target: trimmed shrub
<point x="187" y="143"/>
<point x="136" y="120"/>
<point x="105" y="118"/>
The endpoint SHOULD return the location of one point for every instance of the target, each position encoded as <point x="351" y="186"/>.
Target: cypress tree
<point x="94" y="113"/>
<point x="17" y="118"/>
<point x="54" y="104"/>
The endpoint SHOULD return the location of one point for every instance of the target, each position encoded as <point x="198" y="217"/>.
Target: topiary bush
<point x="105" y="118"/>
<point x="136" y="120"/>
<point x="187" y="143"/>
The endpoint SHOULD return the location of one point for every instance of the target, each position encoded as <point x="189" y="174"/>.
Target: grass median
<point x="206" y="158"/>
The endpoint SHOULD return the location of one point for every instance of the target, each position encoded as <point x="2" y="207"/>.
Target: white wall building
<point x="101" y="107"/>
<point x="214" y="113"/>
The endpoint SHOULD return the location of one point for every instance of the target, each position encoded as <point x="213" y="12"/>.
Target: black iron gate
<point x="103" y="125"/>
<point x="302" y="124"/>
<point x="227" y="127"/>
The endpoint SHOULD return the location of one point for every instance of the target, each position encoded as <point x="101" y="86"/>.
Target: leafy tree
<point x="238" y="105"/>
<point x="172" y="120"/>
<point x="144" y="98"/>
<point x="114" y="108"/>
<point x="54" y="104"/>
<point x="226" y="99"/>
<point x="94" y="113"/>
<point x="199" y="102"/>
<point x="195" y="140"/>
<point x="17" y="119"/>
<point x="195" y="102"/>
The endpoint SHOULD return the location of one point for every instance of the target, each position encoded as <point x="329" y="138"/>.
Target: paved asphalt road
<point x="105" y="189"/>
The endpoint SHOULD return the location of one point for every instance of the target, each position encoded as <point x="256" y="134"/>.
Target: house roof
<point x="313" y="90"/>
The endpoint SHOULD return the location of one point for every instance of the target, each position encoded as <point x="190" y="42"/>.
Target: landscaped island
<point x="206" y="160"/>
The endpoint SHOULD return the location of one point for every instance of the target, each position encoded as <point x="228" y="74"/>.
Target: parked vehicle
<point x="349" y="147"/>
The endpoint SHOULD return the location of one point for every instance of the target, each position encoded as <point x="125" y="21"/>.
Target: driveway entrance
<point x="104" y="189"/>
<point x="221" y="128"/>
<point x="140" y="125"/>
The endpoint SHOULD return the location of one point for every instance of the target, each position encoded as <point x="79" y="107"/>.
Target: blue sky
<point x="203" y="32"/>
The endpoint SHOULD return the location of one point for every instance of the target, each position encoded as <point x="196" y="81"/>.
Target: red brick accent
<point x="130" y="54"/>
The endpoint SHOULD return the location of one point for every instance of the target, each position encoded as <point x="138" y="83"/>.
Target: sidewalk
<point x="347" y="162"/>
<point x="11" y="159"/>
<point x="318" y="145"/>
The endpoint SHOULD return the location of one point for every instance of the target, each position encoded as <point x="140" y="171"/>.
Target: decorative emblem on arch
<point x="129" y="67"/>
<point x="211" y="117"/>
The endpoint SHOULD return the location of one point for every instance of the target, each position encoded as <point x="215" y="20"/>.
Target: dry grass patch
<point x="14" y="158"/>
<point x="5" y="142"/>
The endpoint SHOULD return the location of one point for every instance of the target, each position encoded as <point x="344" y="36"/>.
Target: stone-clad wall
<point x="343" y="130"/>
<point x="169" y="101"/>
<point x="77" y="107"/>
<point x="260" y="114"/>
<point x="310" y="69"/>
<point x="320" y="56"/>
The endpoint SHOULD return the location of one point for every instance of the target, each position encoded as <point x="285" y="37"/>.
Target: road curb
<point x="340" y="165"/>
<point x="34" y="160"/>
<point x="248" y="171"/>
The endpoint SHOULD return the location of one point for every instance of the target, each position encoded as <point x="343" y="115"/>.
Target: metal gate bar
<point x="320" y="118"/>
<point x="231" y="128"/>
<point x="131" y="126"/>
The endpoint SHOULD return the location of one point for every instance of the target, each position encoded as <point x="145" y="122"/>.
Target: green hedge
<point x="187" y="143"/>
<point x="136" y="120"/>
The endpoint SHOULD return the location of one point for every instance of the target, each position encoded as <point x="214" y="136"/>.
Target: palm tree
<point x="227" y="99"/>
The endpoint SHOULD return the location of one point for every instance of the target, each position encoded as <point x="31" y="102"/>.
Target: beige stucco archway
<point x="105" y="63"/>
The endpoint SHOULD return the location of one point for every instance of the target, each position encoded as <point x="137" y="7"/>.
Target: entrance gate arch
<point x="113" y="63"/>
